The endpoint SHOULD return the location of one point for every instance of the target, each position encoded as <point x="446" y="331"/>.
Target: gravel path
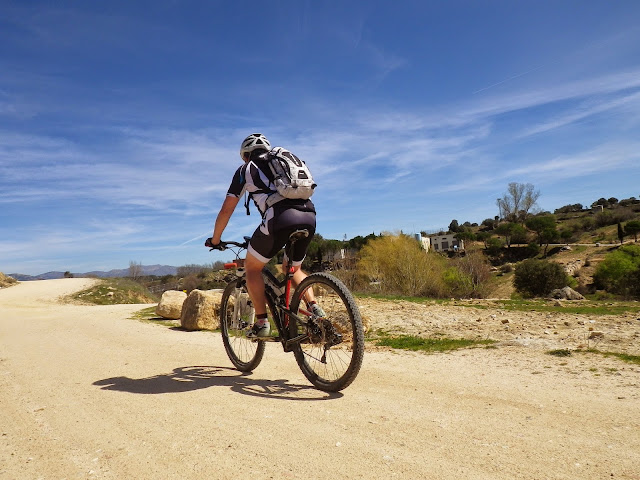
<point x="86" y="393"/>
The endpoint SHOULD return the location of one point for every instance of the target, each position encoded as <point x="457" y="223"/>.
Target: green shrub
<point x="494" y="246"/>
<point x="537" y="278"/>
<point x="459" y="284"/>
<point x="619" y="270"/>
<point x="534" y="249"/>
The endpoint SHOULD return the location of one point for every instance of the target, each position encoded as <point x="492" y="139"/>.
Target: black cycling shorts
<point x="278" y="223"/>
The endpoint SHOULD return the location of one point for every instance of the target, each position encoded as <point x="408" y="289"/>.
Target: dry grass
<point x="6" y="281"/>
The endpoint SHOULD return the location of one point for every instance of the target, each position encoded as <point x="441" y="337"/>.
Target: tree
<point x="566" y="235"/>
<point x="601" y="202"/>
<point x="454" y="227"/>
<point x="576" y="207"/>
<point x="489" y="223"/>
<point x="465" y="235"/>
<point x="541" y="223"/>
<point x="549" y="235"/>
<point x="620" y="232"/>
<point x="545" y="228"/>
<point x="632" y="228"/>
<point x="516" y="203"/>
<point x="483" y="237"/>
<point x="68" y="274"/>
<point x="135" y="269"/>
<point x="510" y="231"/>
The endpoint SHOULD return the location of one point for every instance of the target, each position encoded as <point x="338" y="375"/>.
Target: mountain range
<point x="157" y="270"/>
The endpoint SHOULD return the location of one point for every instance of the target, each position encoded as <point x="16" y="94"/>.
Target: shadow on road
<point x="185" y="379"/>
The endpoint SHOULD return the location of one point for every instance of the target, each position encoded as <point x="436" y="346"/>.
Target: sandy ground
<point x="86" y="392"/>
<point x="481" y="319"/>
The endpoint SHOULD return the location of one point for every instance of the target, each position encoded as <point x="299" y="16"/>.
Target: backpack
<point x="292" y="177"/>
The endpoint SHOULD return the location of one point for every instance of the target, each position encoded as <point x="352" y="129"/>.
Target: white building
<point x="441" y="243"/>
<point x="424" y="241"/>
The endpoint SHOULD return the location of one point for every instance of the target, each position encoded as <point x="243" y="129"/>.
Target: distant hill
<point x="157" y="270"/>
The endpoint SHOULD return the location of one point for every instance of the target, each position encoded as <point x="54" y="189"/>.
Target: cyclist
<point x="278" y="222"/>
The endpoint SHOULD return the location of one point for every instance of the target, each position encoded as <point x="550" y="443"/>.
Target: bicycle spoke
<point x="236" y="317"/>
<point x="332" y="356"/>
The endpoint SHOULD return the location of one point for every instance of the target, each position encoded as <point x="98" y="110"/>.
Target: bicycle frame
<point x="283" y="314"/>
<point x="279" y="299"/>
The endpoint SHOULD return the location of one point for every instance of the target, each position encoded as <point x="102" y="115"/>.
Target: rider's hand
<point x="209" y="243"/>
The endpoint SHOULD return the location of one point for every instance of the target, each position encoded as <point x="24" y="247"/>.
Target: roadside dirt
<point x="482" y="319"/>
<point x="86" y="392"/>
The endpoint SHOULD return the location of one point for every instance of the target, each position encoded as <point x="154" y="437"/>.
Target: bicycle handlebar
<point x="222" y="246"/>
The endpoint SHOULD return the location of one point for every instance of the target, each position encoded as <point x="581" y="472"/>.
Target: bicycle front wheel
<point x="236" y="317"/>
<point x="332" y="354"/>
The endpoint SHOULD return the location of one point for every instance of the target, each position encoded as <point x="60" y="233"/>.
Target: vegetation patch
<point x="402" y="298"/>
<point x="563" y="352"/>
<point x="634" y="359"/>
<point x="148" y="315"/>
<point x="583" y="307"/>
<point x="578" y="308"/>
<point x="6" y="281"/>
<point x="429" y="345"/>
<point x="115" y="291"/>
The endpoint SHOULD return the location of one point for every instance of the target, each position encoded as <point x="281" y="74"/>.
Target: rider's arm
<point x="228" y="206"/>
<point x="236" y="190"/>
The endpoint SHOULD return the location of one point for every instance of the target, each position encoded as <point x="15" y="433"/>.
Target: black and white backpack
<point x="292" y="177"/>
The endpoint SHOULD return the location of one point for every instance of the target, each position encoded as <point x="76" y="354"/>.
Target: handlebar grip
<point x="224" y="245"/>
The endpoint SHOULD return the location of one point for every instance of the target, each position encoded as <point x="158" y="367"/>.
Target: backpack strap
<point x="271" y="200"/>
<point x="247" y="197"/>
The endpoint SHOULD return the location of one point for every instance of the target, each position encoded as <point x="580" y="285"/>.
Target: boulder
<point x="572" y="268"/>
<point x="201" y="310"/>
<point x="566" y="293"/>
<point x="170" y="305"/>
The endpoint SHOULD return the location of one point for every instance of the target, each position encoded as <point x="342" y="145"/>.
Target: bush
<point x="616" y="273"/>
<point x="506" y="268"/>
<point x="494" y="246"/>
<point x="477" y="273"/>
<point x="458" y="283"/>
<point x="354" y="280"/>
<point x="402" y="267"/>
<point x="537" y="278"/>
<point x="534" y="249"/>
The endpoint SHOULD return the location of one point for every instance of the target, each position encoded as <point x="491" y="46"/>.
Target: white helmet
<point x="253" y="142"/>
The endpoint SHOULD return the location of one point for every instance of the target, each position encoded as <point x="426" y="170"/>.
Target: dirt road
<point x="87" y="393"/>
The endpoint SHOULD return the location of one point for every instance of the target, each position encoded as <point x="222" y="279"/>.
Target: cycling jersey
<point x="278" y="221"/>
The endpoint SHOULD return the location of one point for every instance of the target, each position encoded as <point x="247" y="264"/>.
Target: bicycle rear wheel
<point x="332" y="356"/>
<point x="236" y="317"/>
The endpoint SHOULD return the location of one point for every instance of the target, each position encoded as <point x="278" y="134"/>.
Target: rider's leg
<point x="255" y="284"/>
<point x="309" y="296"/>
<point x="298" y="277"/>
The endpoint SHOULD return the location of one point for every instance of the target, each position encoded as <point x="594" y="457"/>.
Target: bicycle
<point x="329" y="350"/>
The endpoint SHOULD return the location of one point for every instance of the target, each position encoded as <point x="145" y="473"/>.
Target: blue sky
<point x="120" y="121"/>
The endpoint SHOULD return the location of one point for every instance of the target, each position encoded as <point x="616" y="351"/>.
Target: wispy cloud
<point x="582" y="112"/>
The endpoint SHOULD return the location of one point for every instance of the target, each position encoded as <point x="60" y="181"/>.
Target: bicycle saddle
<point x="298" y="234"/>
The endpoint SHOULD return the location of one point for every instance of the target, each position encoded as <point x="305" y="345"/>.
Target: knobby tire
<point x="342" y="362"/>
<point x="245" y="354"/>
